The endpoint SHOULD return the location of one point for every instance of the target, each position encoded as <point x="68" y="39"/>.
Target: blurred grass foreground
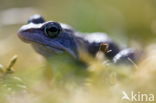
<point x="68" y="82"/>
<point x="31" y="79"/>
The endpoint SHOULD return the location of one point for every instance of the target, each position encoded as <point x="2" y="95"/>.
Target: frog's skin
<point x="63" y="38"/>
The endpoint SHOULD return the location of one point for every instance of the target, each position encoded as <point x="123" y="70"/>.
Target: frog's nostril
<point x="36" y="19"/>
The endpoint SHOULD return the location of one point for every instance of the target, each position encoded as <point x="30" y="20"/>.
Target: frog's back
<point x="96" y="39"/>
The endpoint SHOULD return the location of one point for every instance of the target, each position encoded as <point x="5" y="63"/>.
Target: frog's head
<point x="48" y="37"/>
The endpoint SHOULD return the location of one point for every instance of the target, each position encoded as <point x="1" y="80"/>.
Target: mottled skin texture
<point x="67" y="39"/>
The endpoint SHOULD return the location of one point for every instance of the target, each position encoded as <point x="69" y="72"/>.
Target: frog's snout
<point x="24" y="32"/>
<point x="20" y="34"/>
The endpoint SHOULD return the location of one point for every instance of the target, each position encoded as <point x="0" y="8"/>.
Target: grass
<point x="63" y="80"/>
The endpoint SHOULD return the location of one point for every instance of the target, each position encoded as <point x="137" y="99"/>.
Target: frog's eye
<point x="36" y="19"/>
<point x="52" y="29"/>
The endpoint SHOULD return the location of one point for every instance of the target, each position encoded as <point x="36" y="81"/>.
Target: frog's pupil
<point x="52" y="29"/>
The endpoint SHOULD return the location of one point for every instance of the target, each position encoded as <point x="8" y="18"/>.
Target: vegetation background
<point x="130" y="23"/>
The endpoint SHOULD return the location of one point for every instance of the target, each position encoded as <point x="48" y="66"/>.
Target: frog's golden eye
<point x="52" y="29"/>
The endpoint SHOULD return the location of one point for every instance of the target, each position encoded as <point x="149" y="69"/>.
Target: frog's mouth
<point x="57" y="49"/>
<point x="53" y="47"/>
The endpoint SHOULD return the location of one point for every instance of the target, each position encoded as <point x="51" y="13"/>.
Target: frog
<point x="50" y="38"/>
